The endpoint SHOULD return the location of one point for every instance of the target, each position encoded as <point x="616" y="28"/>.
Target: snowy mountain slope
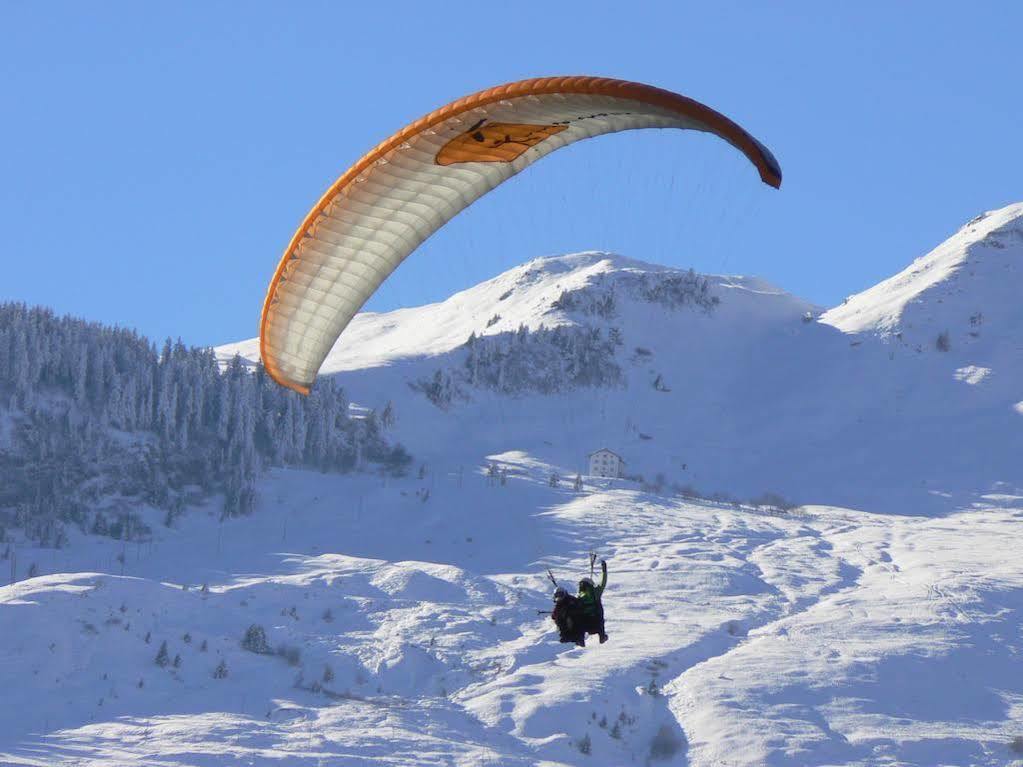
<point x="731" y="391"/>
<point x="523" y="296"/>
<point x="743" y="636"/>
<point x="737" y="637"/>
<point x="949" y="288"/>
<point x="958" y="306"/>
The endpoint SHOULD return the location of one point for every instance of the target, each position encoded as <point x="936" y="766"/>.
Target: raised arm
<point x="603" y="577"/>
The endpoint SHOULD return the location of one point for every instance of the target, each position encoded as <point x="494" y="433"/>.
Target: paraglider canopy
<point x="383" y="207"/>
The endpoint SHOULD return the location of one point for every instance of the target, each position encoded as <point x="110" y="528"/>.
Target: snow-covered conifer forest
<point x="98" y="424"/>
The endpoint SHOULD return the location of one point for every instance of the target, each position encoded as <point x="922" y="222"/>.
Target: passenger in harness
<point x="569" y="619"/>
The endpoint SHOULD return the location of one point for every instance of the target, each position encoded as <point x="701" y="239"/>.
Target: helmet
<point x="559" y="593"/>
<point x="585" y="584"/>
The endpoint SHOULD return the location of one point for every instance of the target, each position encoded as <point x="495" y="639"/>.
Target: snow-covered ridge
<point x="524" y="296"/>
<point x="967" y="269"/>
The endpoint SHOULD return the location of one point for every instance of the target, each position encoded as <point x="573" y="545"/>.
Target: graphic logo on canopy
<point x="495" y="142"/>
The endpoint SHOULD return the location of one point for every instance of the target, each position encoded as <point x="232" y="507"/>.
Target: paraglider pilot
<point x="582" y="614"/>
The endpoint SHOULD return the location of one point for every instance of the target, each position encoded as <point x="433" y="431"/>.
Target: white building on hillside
<point x="606" y="463"/>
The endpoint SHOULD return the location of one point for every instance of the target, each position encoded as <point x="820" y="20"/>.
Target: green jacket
<point x="589" y="598"/>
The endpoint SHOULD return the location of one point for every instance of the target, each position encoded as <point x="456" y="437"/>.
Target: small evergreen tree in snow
<point x="578" y="484"/>
<point x="554" y="480"/>
<point x="328" y="674"/>
<point x="584" y="745"/>
<point x="162" y="656"/>
<point x="255" y="640"/>
<point x="220" y="672"/>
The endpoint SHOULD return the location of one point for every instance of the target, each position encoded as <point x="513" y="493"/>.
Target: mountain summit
<point x="726" y="384"/>
<point x="969" y="281"/>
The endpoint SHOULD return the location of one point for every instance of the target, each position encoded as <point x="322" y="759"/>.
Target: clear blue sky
<point x="156" y="158"/>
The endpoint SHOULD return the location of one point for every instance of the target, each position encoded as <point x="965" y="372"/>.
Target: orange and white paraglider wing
<point x="409" y="186"/>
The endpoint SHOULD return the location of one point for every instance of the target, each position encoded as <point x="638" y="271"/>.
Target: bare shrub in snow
<point x="686" y="491"/>
<point x="657" y="486"/>
<point x="772" y="500"/>
<point x="290" y="653"/>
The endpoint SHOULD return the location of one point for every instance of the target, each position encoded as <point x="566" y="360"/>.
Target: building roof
<point x="606" y="450"/>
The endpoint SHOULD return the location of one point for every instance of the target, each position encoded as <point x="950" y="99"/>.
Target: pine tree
<point x="162" y="656"/>
<point x="255" y="640"/>
<point x="220" y="672"/>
